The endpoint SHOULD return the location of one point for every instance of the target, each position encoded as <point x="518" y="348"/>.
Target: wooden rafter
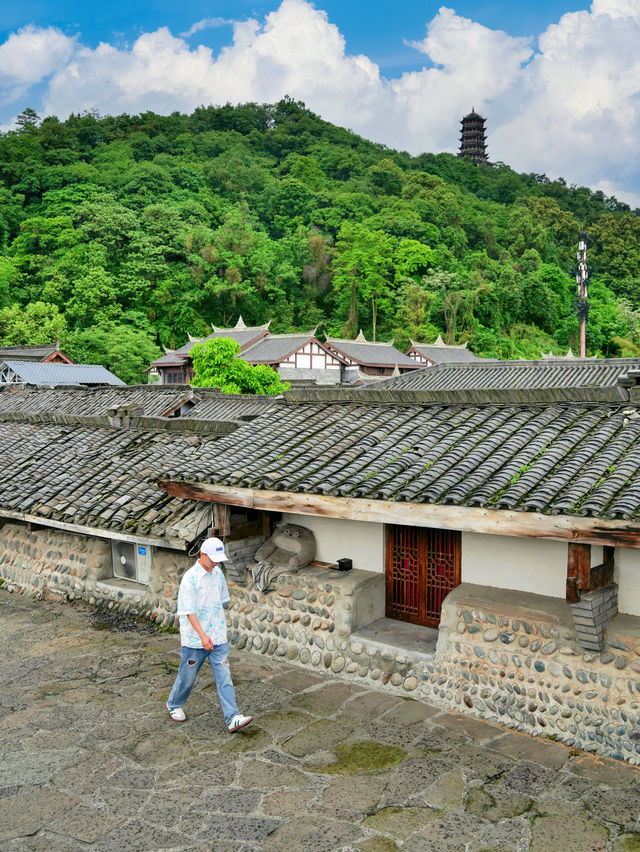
<point x="465" y="518"/>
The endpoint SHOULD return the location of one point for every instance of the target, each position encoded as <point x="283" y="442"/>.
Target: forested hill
<point x="122" y="234"/>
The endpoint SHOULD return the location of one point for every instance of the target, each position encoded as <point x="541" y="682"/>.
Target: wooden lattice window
<point x="423" y="566"/>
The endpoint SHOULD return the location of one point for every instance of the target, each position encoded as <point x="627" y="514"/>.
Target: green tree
<point x="362" y="270"/>
<point x="216" y="364"/>
<point x="39" y="322"/>
<point x="121" y="348"/>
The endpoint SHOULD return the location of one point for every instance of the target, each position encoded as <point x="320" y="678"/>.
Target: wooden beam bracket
<point x="533" y="525"/>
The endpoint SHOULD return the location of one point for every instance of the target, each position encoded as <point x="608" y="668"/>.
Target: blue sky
<point x="377" y="28"/>
<point x="559" y="82"/>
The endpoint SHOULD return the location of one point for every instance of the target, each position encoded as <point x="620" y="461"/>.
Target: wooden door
<point x="423" y="566"/>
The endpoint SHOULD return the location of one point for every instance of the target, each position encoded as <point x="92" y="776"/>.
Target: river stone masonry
<point x="56" y="564"/>
<point x="506" y="657"/>
<point x="308" y="618"/>
<point x="514" y="658"/>
<point x="503" y="656"/>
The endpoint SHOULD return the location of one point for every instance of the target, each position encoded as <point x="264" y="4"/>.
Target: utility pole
<point x="582" y="305"/>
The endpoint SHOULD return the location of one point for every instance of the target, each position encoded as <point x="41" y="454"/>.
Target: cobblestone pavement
<point x="91" y="760"/>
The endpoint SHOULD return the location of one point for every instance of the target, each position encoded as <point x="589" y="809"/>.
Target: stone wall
<point x="53" y="563"/>
<point x="308" y="618"/>
<point x="509" y="657"/>
<point x="48" y="561"/>
<point x="514" y="658"/>
<point x="502" y="655"/>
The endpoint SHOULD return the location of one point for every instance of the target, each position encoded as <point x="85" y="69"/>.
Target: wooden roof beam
<point x="532" y="525"/>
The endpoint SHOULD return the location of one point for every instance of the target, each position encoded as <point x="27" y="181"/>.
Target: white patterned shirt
<point x="202" y="594"/>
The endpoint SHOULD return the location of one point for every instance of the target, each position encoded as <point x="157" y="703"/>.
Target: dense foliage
<point x="216" y="364"/>
<point x="119" y="235"/>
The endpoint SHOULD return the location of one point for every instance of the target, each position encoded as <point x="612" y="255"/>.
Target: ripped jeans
<point x="192" y="660"/>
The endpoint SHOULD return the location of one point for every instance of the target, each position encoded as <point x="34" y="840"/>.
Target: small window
<point x="131" y="561"/>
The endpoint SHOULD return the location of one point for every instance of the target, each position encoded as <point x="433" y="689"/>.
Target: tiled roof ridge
<point x="360" y="341"/>
<point x="97" y="389"/>
<point x="558" y="361"/>
<point x="243" y="327"/>
<point x="378" y="395"/>
<point x="311" y="333"/>
<point x="304" y="335"/>
<point x="142" y="424"/>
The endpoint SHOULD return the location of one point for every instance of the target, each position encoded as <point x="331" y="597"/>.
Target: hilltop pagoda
<point x="473" y="142"/>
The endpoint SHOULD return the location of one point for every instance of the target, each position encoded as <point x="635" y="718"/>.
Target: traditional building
<point x="559" y="378"/>
<point x="46" y="353"/>
<point x="295" y="357"/>
<point x="439" y="352"/>
<point x="365" y="360"/>
<point x="494" y="534"/>
<point x="136" y="401"/>
<point x="298" y="357"/>
<point x="52" y="374"/>
<point x="175" y="366"/>
<point x="473" y="143"/>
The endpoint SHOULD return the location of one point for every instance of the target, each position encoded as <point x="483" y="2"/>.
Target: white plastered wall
<point x="507" y="562"/>
<point x="361" y="541"/>
<point x="627" y="576"/>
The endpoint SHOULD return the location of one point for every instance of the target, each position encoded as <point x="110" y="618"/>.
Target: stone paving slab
<point x="92" y="761"/>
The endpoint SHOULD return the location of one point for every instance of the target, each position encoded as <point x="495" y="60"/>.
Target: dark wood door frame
<point x="422" y="567"/>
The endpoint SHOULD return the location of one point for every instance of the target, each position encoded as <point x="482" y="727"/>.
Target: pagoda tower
<point x="473" y="142"/>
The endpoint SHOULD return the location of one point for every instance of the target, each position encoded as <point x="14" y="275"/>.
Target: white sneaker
<point x="239" y="721"/>
<point x="177" y="714"/>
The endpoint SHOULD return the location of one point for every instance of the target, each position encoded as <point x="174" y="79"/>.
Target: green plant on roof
<point x="516" y="476"/>
<point x="497" y="495"/>
<point x="600" y="481"/>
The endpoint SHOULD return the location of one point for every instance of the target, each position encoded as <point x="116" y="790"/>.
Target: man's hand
<point x="207" y="644"/>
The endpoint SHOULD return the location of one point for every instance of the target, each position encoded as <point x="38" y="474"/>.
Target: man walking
<point x="203" y="634"/>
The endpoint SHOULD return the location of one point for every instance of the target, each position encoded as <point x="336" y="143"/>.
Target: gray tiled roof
<point x="571" y="459"/>
<point x="169" y="359"/>
<point x="34" y="373"/>
<point x="153" y="400"/>
<point x="100" y="477"/>
<point x="228" y="406"/>
<point x="444" y="354"/>
<point x="244" y="336"/>
<point x="372" y="354"/>
<point x="35" y="352"/>
<point x="275" y="347"/>
<point x="206" y="404"/>
<point x="517" y="375"/>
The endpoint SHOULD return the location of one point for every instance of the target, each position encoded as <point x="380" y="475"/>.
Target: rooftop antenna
<point x="582" y="305"/>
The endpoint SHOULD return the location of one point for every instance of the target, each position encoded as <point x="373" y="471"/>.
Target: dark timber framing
<point x="466" y="519"/>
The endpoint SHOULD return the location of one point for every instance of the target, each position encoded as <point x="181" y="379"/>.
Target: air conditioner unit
<point x="131" y="561"/>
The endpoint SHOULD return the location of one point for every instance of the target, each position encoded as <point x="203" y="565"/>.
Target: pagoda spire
<point x="473" y="141"/>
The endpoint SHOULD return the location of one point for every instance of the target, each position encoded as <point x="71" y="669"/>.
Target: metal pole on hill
<point x="582" y="305"/>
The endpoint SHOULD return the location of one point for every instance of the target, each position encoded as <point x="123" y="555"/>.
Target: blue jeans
<point x="190" y="664"/>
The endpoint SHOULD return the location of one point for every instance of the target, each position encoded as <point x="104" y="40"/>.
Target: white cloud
<point x="206" y="24"/>
<point x="579" y="114"/>
<point x="567" y="104"/>
<point x="30" y="56"/>
<point x="474" y="67"/>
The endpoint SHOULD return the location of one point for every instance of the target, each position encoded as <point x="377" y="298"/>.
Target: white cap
<point x="214" y="549"/>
